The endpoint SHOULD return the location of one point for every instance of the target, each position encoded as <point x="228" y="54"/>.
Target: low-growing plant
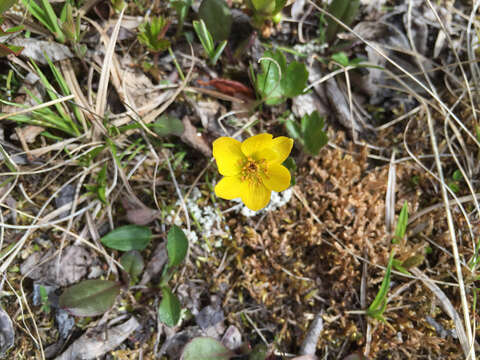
<point x="277" y="81"/>
<point x="95" y="297"/>
<point x="61" y="117"/>
<point x="152" y="34"/>
<point x="309" y="132"/>
<point x="207" y="42"/>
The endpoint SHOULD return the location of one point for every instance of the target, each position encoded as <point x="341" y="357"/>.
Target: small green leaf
<point x="206" y="348"/>
<point x="379" y="304"/>
<point x="314" y="138"/>
<point x="132" y="262"/>
<point x="217" y="17"/>
<point x="457" y="175"/>
<point x="292" y="168"/>
<point x="295" y="79"/>
<point x="177" y="246"/>
<point x="341" y="58"/>
<point x="89" y="297"/>
<point x="169" y="309"/>
<point x="402" y="222"/>
<point x="413" y="261"/>
<point x="128" y="237"/>
<point x="168" y="125"/>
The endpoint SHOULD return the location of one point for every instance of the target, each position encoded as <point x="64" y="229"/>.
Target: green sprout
<point x="152" y="33"/>
<point x="207" y="42"/>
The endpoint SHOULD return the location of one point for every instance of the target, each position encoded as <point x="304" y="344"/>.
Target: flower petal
<point x="282" y="145"/>
<point x="277" y="178"/>
<point x="228" y="154"/>
<point x="255" y="196"/>
<point x="229" y="188"/>
<point x="256" y="143"/>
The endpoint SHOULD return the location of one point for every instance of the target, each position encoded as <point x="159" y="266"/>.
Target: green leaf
<point x="274" y="66"/>
<point x="292" y="168"/>
<point x="341" y="58"/>
<point x="132" y="262"/>
<point x="128" y="237"/>
<point x="314" y="138"/>
<point x="168" y="125"/>
<point x="379" y="304"/>
<point x="6" y="49"/>
<point x="457" y="175"/>
<point x="89" y="297"/>
<point x="265" y="7"/>
<point x="206" y="348"/>
<point x="278" y="81"/>
<point x="413" y="261"/>
<point x="169" y="309"/>
<point x="402" y="222"/>
<point x="295" y="79"/>
<point x="177" y="246"/>
<point x="217" y="17"/>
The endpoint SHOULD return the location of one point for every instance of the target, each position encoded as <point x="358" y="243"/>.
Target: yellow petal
<point x="277" y="178"/>
<point x="229" y="188"/>
<point x="255" y="196"/>
<point x="282" y="146"/>
<point x="256" y="143"/>
<point x="228" y="154"/>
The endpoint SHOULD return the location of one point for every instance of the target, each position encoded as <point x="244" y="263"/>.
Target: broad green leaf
<point x="177" y="246"/>
<point x="217" y="17"/>
<point x="89" y="297"/>
<point x="168" y="125"/>
<point x="277" y="81"/>
<point x="265" y="7"/>
<point x="314" y="138"/>
<point x="169" y="309"/>
<point x="206" y="348"/>
<point x="294" y="80"/>
<point x="132" y="262"/>
<point x="279" y="5"/>
<point x="402" y="222"/>
<point x="268" y="84"/>
<point x="128" y="237"/>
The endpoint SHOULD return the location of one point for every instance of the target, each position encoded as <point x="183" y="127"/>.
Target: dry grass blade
<point x="390" y="196"/>
<point x="447" y="306"/>
<point x="451" y="228"/>
<point x="107" y="65"/>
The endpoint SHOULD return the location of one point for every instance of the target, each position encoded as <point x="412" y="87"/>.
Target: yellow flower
<point x="252" y="169"/>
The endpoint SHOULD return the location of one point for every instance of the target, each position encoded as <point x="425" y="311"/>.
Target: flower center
<point x="252" y="170"/>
